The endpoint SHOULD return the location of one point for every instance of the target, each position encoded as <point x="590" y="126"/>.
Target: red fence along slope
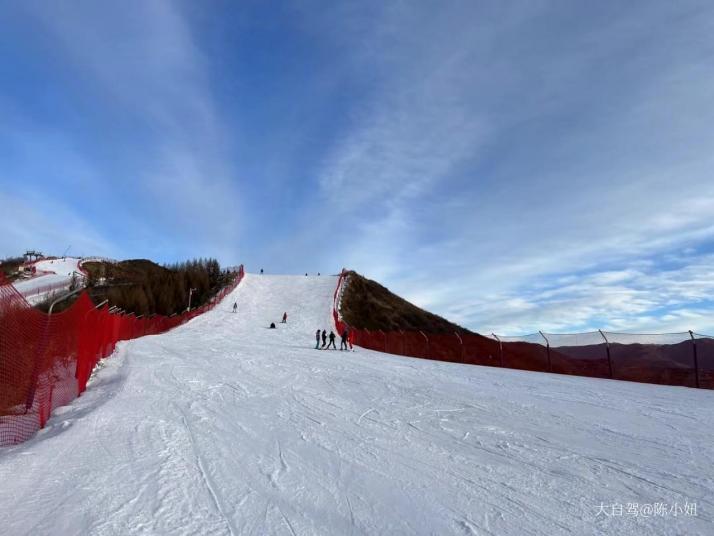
<point x="685" y="359"/>
<point x="46" y="360"/>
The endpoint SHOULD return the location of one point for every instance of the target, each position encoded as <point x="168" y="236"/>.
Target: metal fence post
<point x="696" y="359"/>
<point x="428" y="349"/>
<point x="500" y="349"/>
<point x="607" y="348"/>
<point x="547" y="350"/>
<point x="461" y="342"/>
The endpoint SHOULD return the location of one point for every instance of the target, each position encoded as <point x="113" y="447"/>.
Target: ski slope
<point x="54" y="275"/>
<point x="225" y="427"/>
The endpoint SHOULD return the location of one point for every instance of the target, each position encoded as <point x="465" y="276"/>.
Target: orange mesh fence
<point x="46" y="360"/>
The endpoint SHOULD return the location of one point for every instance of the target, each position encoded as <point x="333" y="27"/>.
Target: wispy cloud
<point x="159" y="140"/>
<point x="515" y="167"/>
<point x="46" y="225"/>
<point x="492" y="161"/>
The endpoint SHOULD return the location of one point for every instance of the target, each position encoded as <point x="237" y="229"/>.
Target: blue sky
<point x="513" y="166"/>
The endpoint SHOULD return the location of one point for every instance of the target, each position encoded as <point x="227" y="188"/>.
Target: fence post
<point x="696" y="359"/>
<point x="607" y="348"/>
<point x="461" y="342"/>
<point x="547" y="350"/>
<point x="428" y="349"/>
<point x="500" y="349"/>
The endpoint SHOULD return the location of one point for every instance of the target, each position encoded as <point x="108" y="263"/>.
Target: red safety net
<point x="685" y="359"/>
<point x="705" y="360"/>
<point x="46" y="360"/>
<point x="671" y="364"/>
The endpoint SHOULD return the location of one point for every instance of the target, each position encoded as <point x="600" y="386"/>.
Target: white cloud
<point x="48" y="226"/>
<point x="490" y="210"/>
<point x="140" y="59"/>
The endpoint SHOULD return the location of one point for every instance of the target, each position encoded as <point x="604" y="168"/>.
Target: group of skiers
<point x="320" y="335"/>
<point x="345" y="344"/>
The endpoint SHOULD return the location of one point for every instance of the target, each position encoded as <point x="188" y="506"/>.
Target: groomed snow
<point x="223" y="426"/>
<point x="54" y="275"/>
<point x="63" y="266"/>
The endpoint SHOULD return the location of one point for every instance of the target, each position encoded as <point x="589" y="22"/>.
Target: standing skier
<point x="324" y="338"/>
<point x="343" y="342"/>
<point x="317" y="339"/>
<point x="332" y="341"/>
<point x="235" y="307"/>
<point x="285" y="318"/>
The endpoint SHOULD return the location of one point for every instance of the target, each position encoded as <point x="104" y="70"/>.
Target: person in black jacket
<point x="317" y="339"/>
<point x="343" y="342"/>
<point x="324" y="338"/>
<point x="332" y="341"/>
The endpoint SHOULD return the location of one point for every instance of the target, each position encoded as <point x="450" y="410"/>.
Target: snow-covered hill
<point x="53" y="275"/>
<point x="223" y="426"/>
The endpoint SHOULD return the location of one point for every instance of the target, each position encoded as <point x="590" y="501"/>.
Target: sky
<point x="512" y="166"/>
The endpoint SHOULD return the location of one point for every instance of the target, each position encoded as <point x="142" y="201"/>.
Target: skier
<point x="235" y="307"/>
<point x="261" y="271"/>
<point x="317" y="339"/>
<point x="272" y="325"/>
<point x="332" y="341"/>
<point x="343" y="342"/>
<point x="324" y="338"/>
<point x="285" y="318"/>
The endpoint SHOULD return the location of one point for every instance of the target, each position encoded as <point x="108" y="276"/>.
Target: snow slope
<point x="223" y="426"/>
<point x="54" y="275"/>
<point x="63" y="266"/>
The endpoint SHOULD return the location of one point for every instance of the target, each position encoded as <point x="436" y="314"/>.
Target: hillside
<point x="368" y="305"/>
<point x="143" y="287"/>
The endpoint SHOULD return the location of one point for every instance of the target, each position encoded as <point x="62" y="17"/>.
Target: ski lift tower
<point x="30" y="253"/>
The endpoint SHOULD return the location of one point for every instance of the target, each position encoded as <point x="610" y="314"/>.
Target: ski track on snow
<point x="225" y="427"/>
